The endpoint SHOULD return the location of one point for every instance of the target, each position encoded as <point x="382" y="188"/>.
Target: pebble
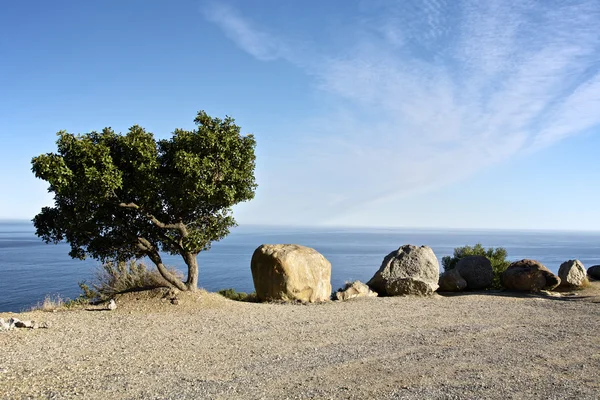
<point x="111" y="305"/>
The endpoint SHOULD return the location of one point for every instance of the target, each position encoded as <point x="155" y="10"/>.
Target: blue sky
<point x="432" y="113"/>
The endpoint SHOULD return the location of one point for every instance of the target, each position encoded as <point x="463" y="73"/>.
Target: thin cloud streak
<point x="436" y="90"/>
<point x="248" y="37"/>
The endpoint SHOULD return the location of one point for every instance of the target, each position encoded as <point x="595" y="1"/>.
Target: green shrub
<point x="232" y="294"/>
<point x="497" y="257"/>
<point x="77" y="302"/>
<point x="119" y="277"/>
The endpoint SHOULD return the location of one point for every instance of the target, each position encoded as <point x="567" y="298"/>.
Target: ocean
<point x="30" y="269"/>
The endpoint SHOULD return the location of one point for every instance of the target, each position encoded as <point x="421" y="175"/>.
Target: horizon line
<point x="380" y="227"/>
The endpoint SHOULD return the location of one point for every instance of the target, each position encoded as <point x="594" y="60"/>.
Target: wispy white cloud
<point x="432" y="91"/>
<point x="246" y="35"/>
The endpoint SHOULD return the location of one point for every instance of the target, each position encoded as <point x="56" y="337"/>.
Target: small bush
<point x="497" y="257"/>
<point x="232" y="294"/>
<point x="80" y="301"/>
<point x="119" y="277"/>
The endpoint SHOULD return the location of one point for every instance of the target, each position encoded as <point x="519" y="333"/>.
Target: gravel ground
<point x="470" y="346"/>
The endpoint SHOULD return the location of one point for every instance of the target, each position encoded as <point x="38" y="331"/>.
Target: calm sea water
<point x="31" y="269"/>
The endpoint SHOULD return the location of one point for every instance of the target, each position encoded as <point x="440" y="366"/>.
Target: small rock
<point x="174" y="301"/>
<point x="4" y="326"/>
<point x="45" y="325"/>
<point x="354" y="289"/>
<point x="24" y="324"/>
<point x="13" y="322"/>
<point x="111" y="305"/>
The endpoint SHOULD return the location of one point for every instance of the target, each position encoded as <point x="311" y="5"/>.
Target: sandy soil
<point x="469" y="346"/>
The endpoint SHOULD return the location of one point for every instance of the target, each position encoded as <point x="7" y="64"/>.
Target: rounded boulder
<point x="451" y="281"/>
<point x="572" y="274"/>
<point x="529" y="276"/>
<point x="290" y="272"/>
<point x="594" y="272"/>
<point x="477" y="271"/>
<point x="410" y="270"/>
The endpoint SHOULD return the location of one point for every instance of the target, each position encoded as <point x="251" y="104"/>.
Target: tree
<point x="497" y="257"/>
<point x="119" y="197"/>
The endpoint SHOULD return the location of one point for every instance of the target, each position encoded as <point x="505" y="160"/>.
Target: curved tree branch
<point x="147" y="247"/>
<point x="180" y="226"/>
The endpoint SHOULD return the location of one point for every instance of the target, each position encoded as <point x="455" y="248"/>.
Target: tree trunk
<point x="191" y="260"/>
<point x="169" y="277"/>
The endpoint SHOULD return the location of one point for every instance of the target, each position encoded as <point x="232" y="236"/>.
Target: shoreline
<point x="354" y="256"/>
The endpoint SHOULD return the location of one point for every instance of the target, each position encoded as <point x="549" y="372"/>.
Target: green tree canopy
<point x="118" y="197"/>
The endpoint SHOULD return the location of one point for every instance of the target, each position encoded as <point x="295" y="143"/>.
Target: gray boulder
<point x="572" y="274"/>
<point x="451" y="281"/>
<point x="354" y="289"/>
<point x="410" y="270"/>
<point x="477" y="271"/>
<point x="594" y="272"/>
<point x="529" y="276"/>
<point x="290" y="272"/>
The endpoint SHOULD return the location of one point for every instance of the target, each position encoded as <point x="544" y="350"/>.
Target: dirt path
<point x="460" y="347"/>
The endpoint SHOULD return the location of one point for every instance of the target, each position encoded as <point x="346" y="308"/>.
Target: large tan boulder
<point x="290" y="272"/>
<point x="353" y="290"/>
<point x="529" y="276"/>
<point x="410" y="270"/>
<point x="572" y="274"/>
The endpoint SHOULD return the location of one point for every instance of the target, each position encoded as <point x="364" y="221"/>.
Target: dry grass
<point x="565" y="287"/>
<point x="57" y="303"/>
<point x="49" y="304"/>
<point x="585" y="284"/>
<point x="121" y="277"/>
<point x="233" y="294"/>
